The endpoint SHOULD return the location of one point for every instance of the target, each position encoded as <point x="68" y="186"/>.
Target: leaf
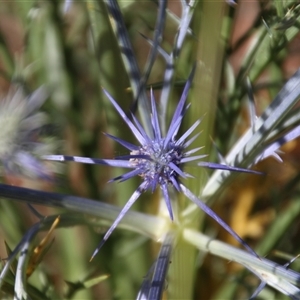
<point x="40" y="251"/>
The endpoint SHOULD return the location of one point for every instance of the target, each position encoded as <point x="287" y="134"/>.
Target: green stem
<point x="208" y="21"/>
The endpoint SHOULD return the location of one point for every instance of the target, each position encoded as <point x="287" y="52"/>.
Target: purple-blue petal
<point x="126" y="144"/>
<point x="164" y="188"/>
<point x="127" y="175"/>
<point x="180" y="106"/>
<point x="192" y="158"/>
<point x="175" y="183"/>
<point x="188" y="153"/>
<point x="134" y="130"/>
<point x="154" y="118"/>
<point x="141" y="129"/>
<point x="178" y="170"/>
<point x="225" y="167"/>
<point x="189" y="142"/>
<point x="213" y="215"/>
<point x="134" y="156"/>
<point x="171" y="132"/>
<point x="88" y="160"/>
<point x="125" y="209"/>
<point x="188" y="132"/>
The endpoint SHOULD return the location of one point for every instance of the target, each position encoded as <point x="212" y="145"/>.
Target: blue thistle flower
<point x="20" y="123"/>
<point x="158" y="160"/>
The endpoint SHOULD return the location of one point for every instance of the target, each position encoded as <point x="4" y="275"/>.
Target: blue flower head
<point x="158" y="160"/>
<point x="20" y="123"/>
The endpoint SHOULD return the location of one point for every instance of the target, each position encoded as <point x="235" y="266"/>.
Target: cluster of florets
<point x="155" y="163"/>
